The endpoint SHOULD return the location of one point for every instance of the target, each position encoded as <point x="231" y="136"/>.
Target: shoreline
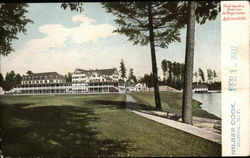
<point x="208" y="105"/>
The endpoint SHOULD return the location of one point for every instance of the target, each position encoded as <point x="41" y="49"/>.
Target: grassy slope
<point x="89" y="125"/>
<point x="171" y="102"/>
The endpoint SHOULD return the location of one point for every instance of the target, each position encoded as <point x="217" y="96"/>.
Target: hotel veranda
<point x="83" y="81"/>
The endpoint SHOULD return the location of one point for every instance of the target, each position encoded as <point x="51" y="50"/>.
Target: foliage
<point x="196" y="76"/>
<point x="173" y="73"/>
<point x="11" y="79"/>
<point x="68" y="77"/>
<point x="147" y="79"/>
<point x="73" y="6"/>
<point x="12" y="22"/>
<point x="131" y="76"/>
<point x="209" y="75"/>
<point x="133" y="22"/>
<point x="146" y="23"/>
<point x="214" y="86"/>
<point x="29" y="72"/>
<point x="205" y="10"/>
<point x="214" y="75"/>
<point x="1" y="80"/>
<point x="164" y="67"/>
<point x="18" y="79"/>
<point x="168" y="18"/>
<point x="122" y="69"/>
<point x="201" y="74"/>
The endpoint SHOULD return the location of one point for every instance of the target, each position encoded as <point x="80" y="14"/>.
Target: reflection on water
<point x="211" y="102"/>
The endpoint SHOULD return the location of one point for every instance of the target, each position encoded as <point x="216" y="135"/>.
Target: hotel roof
<point x="43" y="75"/>
<point x="99" y="71"/>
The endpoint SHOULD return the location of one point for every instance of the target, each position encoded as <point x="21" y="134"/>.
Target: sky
<point x="63" y="40"/>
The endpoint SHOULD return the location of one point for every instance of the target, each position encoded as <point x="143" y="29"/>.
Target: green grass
<point x="171" y="102"/>
<point x="89" y="125"/>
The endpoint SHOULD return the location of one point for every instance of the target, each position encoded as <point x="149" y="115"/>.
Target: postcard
<point x="124" y="79"/>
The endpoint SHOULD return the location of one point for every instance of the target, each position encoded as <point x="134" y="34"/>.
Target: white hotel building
<point x="83" y="81"/>
<point x="97" y="81"/>
<point x="43" y="83"/>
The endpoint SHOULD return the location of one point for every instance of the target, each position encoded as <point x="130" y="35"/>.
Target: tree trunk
<point x="153" y="58"/>
<point x="189" y="60"/>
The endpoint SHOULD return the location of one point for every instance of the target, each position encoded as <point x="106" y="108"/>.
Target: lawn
<point x="171" y="102"/>
<point x="89" y="125"/>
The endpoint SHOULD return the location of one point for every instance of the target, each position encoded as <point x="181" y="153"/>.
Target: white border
<point x="235" y="81"/>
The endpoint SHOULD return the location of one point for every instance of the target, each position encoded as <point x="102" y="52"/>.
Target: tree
<point x="12" y="22"/>
<point x="164" y="67"/>
<point x="201" y="12"/>
<point x="201" y="74"/>
<point x="1" y="80"/>
<point x="9" y="81"/>
<point x="148" y="80"/>
<point x="29" y="72"/>
<point x="73" y="6"/>
<point x="170" y="73"/>
<point x="68" y="77"/>
<point x="209" y="75"/>
<point x="18" y="79"/>
<point x="146" y="23"/>
<point x="123" y="70"/>
<point x="214" y="76"/>
<point x="131" y="76"/>
<point x="196" y="77"/>
<point x="188" y="74"/>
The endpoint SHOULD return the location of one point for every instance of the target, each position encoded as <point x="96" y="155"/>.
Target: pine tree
<point x="1" y="80"/>
<point x="196" y="77"/>
<point x="214" y="76"/>
<point x="189" y="12"/>
<point x="123" y="70"/>
<point x="18" y="79"/>
<point x="147" y="23"/>
<point x="131" y="77"/>
<point x="164" y="67"/>
<point x="209" y="75"/>
<point x="201" y="74"/>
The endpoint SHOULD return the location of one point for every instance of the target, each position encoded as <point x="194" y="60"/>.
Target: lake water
<point x="211" y="102"/>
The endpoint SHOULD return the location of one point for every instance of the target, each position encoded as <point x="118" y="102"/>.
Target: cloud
<point x="56" y="35"/>
<point x="82" y="19"/>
